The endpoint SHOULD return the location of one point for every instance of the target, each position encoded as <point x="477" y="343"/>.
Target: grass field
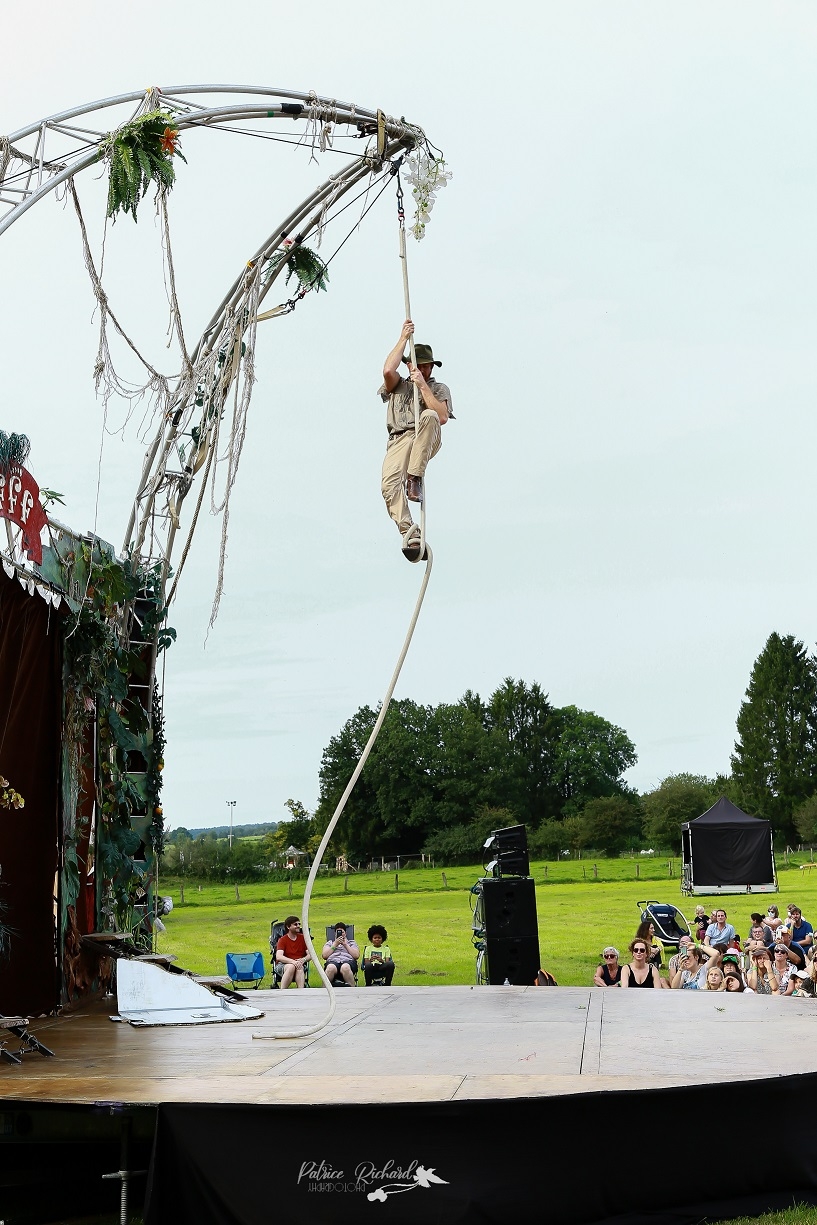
<point x="430" y="925"/>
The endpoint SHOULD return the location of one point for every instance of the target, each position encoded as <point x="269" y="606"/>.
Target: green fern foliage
<point x="14" y="449"/>
<point x="308" y="267"/>
<point x="140" y="153"/>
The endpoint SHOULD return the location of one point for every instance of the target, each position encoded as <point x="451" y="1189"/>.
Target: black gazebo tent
<point x="727" y="851"/>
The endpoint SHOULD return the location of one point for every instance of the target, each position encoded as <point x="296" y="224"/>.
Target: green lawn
<point x="430" y="925"/>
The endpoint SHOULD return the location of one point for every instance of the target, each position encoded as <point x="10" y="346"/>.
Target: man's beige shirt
<point x="400" y="412"/>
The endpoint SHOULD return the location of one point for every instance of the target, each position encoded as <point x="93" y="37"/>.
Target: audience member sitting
<point x="758" y="938"/>
<point x="692" y="968"/>
<point x="719" y="931"/>
<point x="608" y="974"/>
<point x="678" y="960"/>
<point x="646" y="931"/>
<point x="733" y="961"/>
<point x="291" y="953"/>
<point x="341" y="956"/>
<point x="806" y="980"/>
<point x="734" y="982"/>
<point x="378" y="963"/>
<point x="759" y="920"/>
<point x="715" y="979"/>
<point x="761" y="977"/>
<point x="783" y="970"/>
<point x="802" y="932"/>
<point x="639" y="973"/>
<point x="773" y="919"/>
<point x="794" y="952"/>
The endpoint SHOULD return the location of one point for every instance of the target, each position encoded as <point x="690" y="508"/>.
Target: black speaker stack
<point x="506" y="931"/>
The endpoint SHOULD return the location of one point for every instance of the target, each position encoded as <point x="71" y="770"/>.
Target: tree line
<point x="440" y="778"/>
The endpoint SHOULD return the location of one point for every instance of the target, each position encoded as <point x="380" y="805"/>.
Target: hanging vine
<point x="100" y="664"/>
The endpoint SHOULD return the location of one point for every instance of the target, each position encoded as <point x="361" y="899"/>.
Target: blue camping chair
<point x="245" y="968"/>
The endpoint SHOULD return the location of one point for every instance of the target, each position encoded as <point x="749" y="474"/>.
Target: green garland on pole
<point x="140" y="153"/>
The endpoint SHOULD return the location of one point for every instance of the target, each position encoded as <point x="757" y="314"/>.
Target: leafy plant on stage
<point x="140" y="153"/>
<point x="14" y="449"/>
<point x="101" y="662"/>
<point x="301" y="262"/>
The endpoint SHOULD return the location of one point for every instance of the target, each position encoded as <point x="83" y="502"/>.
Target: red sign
<point x="20" y="503"/>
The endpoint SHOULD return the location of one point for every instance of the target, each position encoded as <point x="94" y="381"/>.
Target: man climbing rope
<point x="407" y="454"/>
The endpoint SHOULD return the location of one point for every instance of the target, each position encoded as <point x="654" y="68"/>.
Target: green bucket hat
<point x="423" y="355"/>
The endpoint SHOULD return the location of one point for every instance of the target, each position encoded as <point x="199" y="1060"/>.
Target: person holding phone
<point x="341" y="956"/>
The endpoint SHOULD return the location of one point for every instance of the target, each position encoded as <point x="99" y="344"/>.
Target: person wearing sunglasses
<point x="639" y="973"/>
<point x="783" y="970"/>
<point x="608" y="974"/>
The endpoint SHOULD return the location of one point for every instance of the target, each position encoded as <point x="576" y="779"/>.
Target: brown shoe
<point x="414" y="488"/>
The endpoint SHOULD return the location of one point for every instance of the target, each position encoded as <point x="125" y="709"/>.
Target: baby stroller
<point x="670" y="924"/>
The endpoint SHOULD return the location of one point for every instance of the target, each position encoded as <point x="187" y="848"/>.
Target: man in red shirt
<point x="290" y="952"/>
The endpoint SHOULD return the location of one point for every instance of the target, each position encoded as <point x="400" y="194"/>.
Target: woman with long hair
<point x="715" y="979"/>
<point x="639" y="973"/>
<point x="646" y="931"/>
<point x="783" y="970"/>
<point x="761" y="978"/>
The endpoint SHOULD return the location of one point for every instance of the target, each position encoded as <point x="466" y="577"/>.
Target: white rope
<point x="330" y="829"/>
<point x="350" y="786"/>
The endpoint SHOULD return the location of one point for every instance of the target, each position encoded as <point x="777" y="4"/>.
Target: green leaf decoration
<point x="140" y="153"/>
<point x="308" y="267"/>
<point x="14" y="449"/>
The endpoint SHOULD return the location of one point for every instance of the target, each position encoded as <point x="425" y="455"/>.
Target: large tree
<point x="524" y="724"/>
<point x="775" y="760"/>
<point x="591" y="756"/>
<point x="677" y="799"/>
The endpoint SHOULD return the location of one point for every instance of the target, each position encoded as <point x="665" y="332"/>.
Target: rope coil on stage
<point x="426" y="554"/>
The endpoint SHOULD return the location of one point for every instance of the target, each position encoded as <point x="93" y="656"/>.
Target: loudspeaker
<point x="509" y="848"/>
<point x="509" y="907"/>
<point x="513" y="959"/>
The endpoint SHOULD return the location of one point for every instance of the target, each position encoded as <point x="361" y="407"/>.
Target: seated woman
<point x="690" y="974"/>
<point x="783" y="970"/>
<point x="608" y="974"/>
<point x="639" y="973"/>
<point x="341" y="957"/>
<point x="378" y="963"/>
<point x="773" y="919"/>
<point x="734" y="983"/>
<point x="761" y="978"/>
<point x="646" y="931"/>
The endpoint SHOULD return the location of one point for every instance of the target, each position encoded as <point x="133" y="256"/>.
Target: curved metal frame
<point x="42" y="174"/>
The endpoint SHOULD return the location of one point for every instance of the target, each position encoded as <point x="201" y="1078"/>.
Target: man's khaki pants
<point x="406" y="454"/>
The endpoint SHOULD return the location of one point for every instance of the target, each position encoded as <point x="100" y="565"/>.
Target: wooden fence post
<point x="290" y="886"/>
<point x="637" y="870"/>
<point x="445" y="881"/>
<point x="237" y="894"/>
<point x="346" y="884"/>
<point x="584" y="872"/>
<point x="546" y="871"/>
<point x="396" y="882"/>
<point x="181" y="892"/>
<point x="595" y="871"/>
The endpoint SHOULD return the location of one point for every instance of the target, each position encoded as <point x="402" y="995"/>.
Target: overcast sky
<point x="620" y="280"/>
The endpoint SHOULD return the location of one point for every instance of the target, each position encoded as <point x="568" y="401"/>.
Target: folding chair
<point x="277" y="929"/>
<point x="245" y="968"/>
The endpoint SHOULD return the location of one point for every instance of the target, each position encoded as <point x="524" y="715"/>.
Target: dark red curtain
<point x="30" y="721"/>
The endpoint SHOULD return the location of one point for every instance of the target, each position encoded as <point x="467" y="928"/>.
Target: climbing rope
<point x="401" y="222"/>
<point x="425" y="553"/>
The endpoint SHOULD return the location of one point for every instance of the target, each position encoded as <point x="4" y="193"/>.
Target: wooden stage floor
<point x="425" y="1044"/>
